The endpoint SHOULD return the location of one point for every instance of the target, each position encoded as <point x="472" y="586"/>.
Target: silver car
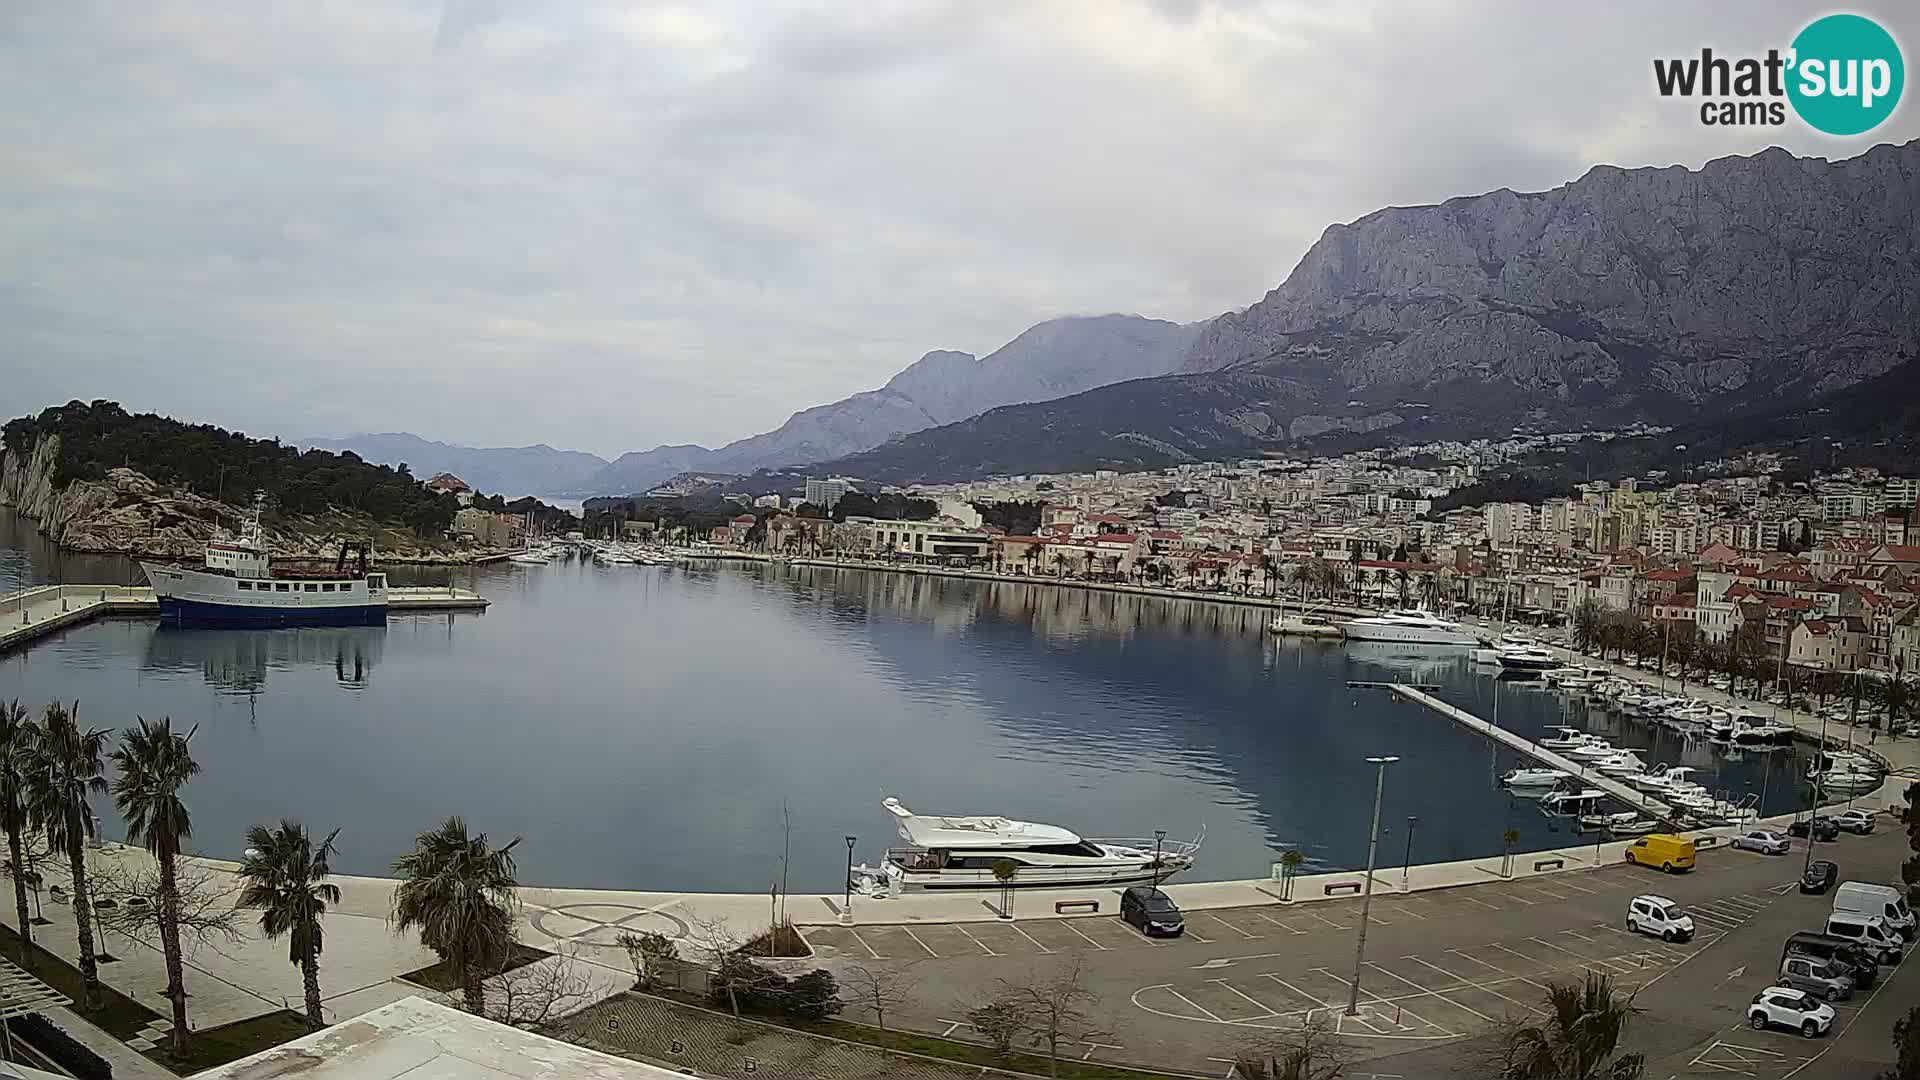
<point x="1764" y="841"/>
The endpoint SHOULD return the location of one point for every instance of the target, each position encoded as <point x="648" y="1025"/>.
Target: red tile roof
<point x="1114" y="538"/>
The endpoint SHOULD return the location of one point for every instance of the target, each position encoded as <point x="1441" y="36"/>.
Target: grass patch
<point x="118" y="1015"/>
<point x="933" y="1046"/>
<point x="445" y="978"/>
<point x="210" y="1047"/>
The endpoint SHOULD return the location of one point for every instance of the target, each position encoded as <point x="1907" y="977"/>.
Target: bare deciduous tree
<point x="877" y="990"/>
<point x="126" y="894"/>
<point x="650" y="953"/>
<point x="1310" y="1053"/>
<point x="539" y="995"/>
<point x="999" y="1021"/>
<point x="1054" y="1006"/>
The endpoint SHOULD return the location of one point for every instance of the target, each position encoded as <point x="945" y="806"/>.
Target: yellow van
<point x="1671" y="853"/>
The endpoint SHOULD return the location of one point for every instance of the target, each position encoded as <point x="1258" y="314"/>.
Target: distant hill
<point x="1668" y="295"/>
<point x="509" y="471"/>
<point x="1047" y="361"/>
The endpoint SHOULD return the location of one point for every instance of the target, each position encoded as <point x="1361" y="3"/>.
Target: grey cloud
<point x="612" y="225"/>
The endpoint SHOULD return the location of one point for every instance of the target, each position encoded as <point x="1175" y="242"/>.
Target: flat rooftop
<point x="421" y="1040"/>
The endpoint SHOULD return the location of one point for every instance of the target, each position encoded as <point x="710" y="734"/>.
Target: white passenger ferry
<point x="237" y="586"/>
<point x="960" y="853"/>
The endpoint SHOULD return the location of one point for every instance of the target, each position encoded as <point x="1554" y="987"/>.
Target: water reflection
<point x="238" y="661"/>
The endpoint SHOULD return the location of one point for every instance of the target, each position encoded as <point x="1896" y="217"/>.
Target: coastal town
<point x="1822" y="574"/>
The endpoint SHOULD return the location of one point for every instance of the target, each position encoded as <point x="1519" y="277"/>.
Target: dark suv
<point x="1151" y="911"/>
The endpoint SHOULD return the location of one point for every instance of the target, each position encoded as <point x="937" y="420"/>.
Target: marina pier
<point x="1639" y="800"/>
<point x="32" y="613"/>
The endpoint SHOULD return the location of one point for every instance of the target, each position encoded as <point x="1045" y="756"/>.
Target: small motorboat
<point x="1594" y="750"/>
<point x="1566" y="739"/>
<point x="1633" y="826"/>
<point x="1532" y="778"/>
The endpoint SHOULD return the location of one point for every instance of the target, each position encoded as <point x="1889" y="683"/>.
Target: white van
<point x="1885" y="901"/>
<point x="1869" y="930"/>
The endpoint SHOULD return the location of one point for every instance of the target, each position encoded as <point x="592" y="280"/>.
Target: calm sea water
<point x="655" y="728"/>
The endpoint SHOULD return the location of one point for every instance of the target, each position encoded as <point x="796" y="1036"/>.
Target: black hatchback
<point x="1152" y="912"/>
<point x="1819" y="877"/>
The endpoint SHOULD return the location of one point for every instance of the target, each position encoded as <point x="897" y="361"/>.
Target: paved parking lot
<point x="1440" y="966"/>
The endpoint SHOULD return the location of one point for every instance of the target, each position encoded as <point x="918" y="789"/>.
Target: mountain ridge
<point x="1628" y="294"/>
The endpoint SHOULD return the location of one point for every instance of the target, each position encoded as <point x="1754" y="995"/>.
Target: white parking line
<point x="1068" y="923"/>
<point x="1407" y="910"/>
<point x="863" y="943"/>
<point x="975" y="940"/>
<point x="1196" y="1005"/>
<point x="1482" y="903"/>
<point x="1325" y="1004"/>
<point x="1324" y="919"/>
<point x="1278" y="923"/>
<point x="1581" y="936"/>
<point x="922" y="944"/>
<point x="1575" y="888"/>
<point x="1399" y="1010"/>
<point x="1464" y="982"/>
<point x="1255" y="1002"/>
<point x="1430" y="993"/>
<point x="1030" y="937"/>
<point x="1230" y="926"/>
<point x="1521" y="955"/>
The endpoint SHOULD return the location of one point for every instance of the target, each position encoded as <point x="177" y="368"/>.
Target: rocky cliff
<point x="1626" y="292"/>
<point x="127" y="513"/>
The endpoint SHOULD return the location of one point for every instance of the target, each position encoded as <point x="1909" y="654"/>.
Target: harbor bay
<point x="691" y="727"/>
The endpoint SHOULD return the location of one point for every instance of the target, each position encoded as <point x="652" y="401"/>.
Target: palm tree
<point x="154" y="763"/>
<point x="16" y="739"/>
<point x="286" y="878"/>
<point x="458" y="892"/>
<point x="64" y="769"/>
<point x="1577" y="1037"/>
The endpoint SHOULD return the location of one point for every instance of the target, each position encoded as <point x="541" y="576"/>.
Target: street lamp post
<point x="1407" y="860"/>
<point x="1159" y="838"/>
<point x="1366" y="896"/>
<point x="1820" y="776"/>
<point x="846" y="901"/>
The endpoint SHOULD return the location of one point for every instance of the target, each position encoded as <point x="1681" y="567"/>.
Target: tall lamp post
<point x="846" y="901"/>
<point x="1813" y="817"/>
<point x="1407" y="860"/>
<point x="1366" y="896"/>
<point x="1159" y="837"/>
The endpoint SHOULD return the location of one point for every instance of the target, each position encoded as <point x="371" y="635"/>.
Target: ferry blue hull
<point x="201" y="613"/>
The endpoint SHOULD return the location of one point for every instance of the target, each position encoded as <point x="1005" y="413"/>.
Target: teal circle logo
<point x="1847" y="74"/>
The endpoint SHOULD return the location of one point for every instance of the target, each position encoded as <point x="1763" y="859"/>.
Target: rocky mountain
<point x="1050" y="360"/>
<point x="1655" y="294"/>
<point x="499" y="470"/>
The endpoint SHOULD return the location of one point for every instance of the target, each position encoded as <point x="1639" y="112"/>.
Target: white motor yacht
<point x="1409" y="626"/>
<point x="1527" y="658"/>
<point x="1532" y="778"/>
<point x="960" y="852"/>
<point x="1584" y="801"/>
<point x="1595" y="749"/>
<point x="1623" y="764"/>
<point x="530" y="557"/>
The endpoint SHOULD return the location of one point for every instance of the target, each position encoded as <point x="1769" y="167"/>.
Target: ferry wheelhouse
<point x="237" y="585"/>
<point x="961" y="852"/>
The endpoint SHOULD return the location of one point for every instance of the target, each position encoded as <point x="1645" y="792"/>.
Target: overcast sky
<point x="609" y="225"/>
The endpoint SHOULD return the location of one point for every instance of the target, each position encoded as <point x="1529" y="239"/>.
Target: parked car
<point x="1854" y="821"/>
<point x="1819" y="877"/>
<point x="1152" y="912"/>
<point x="1674" y="854"/>
<point x="1764" y="841"/>
<point x="1884" y="901"/>
<point x="1820" y="825"/>
<point x="1783" y="1006"/>
<point x="1869" y="931"/>
<point x="1830" y="979"/>
<point x="1660" y="917"/>
<point x="1826" y="947"/>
